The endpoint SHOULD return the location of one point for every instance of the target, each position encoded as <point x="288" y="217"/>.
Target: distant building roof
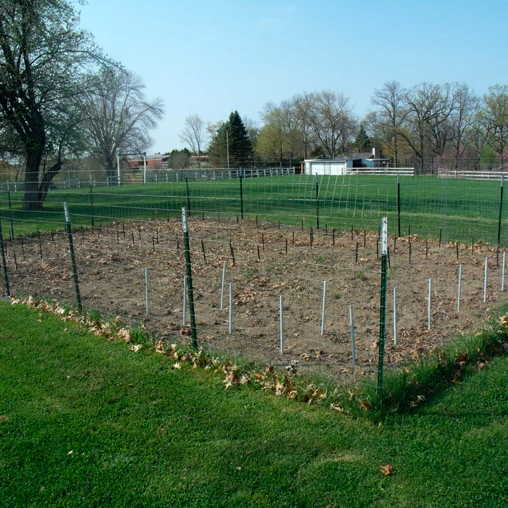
<point x="158" y="156"/>
<point x="372" y="155"/>
<point x="151" y="160"/>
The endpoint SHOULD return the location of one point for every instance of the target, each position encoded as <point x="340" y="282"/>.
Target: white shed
<point x="326" y="167"/>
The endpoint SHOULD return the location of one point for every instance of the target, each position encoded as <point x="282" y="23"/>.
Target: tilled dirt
<point x="262" y="263"/>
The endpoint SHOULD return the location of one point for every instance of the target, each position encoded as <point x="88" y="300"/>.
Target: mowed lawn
<point x="85" y="421"/>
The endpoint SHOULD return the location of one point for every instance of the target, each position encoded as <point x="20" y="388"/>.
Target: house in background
<point x="345" y="165"/>
<point x="371" y="160"/>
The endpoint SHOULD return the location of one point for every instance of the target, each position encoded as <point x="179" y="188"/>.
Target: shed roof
<point x="336" y="159"/>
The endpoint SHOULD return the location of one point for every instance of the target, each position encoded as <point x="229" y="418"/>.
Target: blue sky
<point x="212" y="57"/>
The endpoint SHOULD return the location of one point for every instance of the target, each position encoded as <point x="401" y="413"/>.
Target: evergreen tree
<point x="231" y="141"/>
<point x="217" y="151"/>
<point x="362" y="141"/>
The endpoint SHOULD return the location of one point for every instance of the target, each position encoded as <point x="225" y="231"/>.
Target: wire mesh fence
<point x="313" y="242"/>
<point x="450" y="209"/>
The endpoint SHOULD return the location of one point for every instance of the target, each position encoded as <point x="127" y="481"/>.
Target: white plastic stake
<point x="459" y="292"/>
<point x="66" y="213"/>
<point x="485" y="279"/>
<point x="352" y="326"/>
<point x="281" y="305"/>
<point x="323" y="311"/>
<point x="222" y="288"/>
<point x="395" y="317"/>
<point x="384" y="236"/>
<point x="147" y="301"/>
<point x="185" y="221"/>
<point x="230" y="308"/>
<point x="429" y="307"/>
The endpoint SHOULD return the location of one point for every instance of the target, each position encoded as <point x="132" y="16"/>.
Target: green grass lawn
<point x="86" y="422"/>
<point x="453" y="209"/>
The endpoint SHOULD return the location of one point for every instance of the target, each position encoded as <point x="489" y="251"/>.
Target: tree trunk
<point x="35" y="143"/>
<point x="32" y="199"/>
<point x="46" y="180"/>
<point x="111" y="172"/>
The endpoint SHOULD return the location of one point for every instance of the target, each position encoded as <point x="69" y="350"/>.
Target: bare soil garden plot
<point x="263" y="262"/>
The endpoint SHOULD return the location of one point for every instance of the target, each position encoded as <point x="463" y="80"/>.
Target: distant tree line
<point x="423" y="126"/>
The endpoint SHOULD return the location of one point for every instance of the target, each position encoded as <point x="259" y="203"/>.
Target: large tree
<point x="252" y="129"/>
<point x="332" y="122"/>
<point x="427" y="129"/>
<point x="279" y="138"/>
<point x="392" y="104"/>
<point x="43" y="58"/>
<point x="231" y="145"/>
<point x="117" y="117"/>
<point x="463" y="121"/>
<point x="494" y="119"/>
<point x="301" y="106"/>
<point x="194" y="134"/>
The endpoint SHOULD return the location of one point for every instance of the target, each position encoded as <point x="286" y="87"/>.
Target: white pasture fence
<point x="474" y="175"/>
<point x="384" y="171"/>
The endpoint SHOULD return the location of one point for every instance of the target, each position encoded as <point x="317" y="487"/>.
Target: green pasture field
<point x="430" y="207"/>
<point x="86" y="422"/>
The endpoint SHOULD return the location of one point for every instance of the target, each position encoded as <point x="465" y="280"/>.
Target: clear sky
<point x="211" y="57"/>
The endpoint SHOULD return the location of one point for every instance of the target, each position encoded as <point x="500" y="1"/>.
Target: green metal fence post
<point x="241" y="194"/>
<point x="398" y="206"/>
<point x="500" y="212"/>
<point x="188" y="195"/>
<point x="4" y="265"/>
<point x="190" y="291"/>
<point x="10" y="214"/>
<point x="92" y="208"/>
<point x="382" y="312"/>
<point x="73" y="257"/>
<point x="317" y="202"/>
